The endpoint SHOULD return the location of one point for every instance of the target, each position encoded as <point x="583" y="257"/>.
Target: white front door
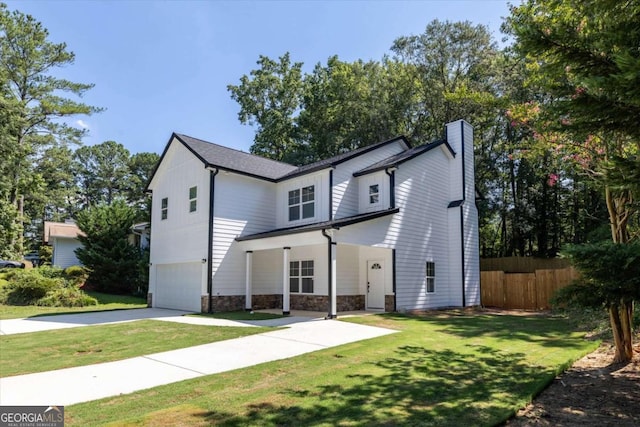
<point x="375" y="285"/>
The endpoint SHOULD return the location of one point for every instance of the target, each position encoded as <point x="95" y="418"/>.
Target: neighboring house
<point x="388" y="227"/>
<point x="63" y="237"/>
<point x="139" y="236"/>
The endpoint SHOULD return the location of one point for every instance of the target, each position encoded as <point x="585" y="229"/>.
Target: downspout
<point x="393" y="260"/>
<point x="392" y="186"/>
<point x="212" y="182"/>
<point x="392" y="202"/>
<point x="464" y="196"/>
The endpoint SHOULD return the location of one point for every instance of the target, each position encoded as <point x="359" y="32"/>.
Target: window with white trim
<point x="301" y="276"/>
<point x="193" y="199"/>
<point x="374" y="194"/>
<point x="430" y="277"/>
<point x="302" y="203"/>
<point x="164" y="208"/>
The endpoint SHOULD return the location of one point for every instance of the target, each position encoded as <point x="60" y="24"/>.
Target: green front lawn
<point x="441" y="370"/>
<point x="65" y="348"/>
<point x="105" y="302"/>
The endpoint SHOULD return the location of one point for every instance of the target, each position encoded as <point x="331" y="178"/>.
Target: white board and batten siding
<point x="242" y="206"/>
<point x="346" y="191"/>
<point x="179" y="247"/>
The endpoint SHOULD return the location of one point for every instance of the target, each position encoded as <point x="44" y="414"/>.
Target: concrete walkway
<point x="74" y="385"/>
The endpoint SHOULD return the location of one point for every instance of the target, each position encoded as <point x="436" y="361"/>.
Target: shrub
<point x="67" y="297"/>
<point x="51" y="272"/>
<point x="27" y="287"/>
<point x="76" y="274"/>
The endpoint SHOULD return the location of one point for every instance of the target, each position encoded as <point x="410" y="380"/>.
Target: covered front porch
<point x="313" y="272"/>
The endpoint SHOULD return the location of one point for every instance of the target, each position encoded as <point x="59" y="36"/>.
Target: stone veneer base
<point x="296" y="302"/>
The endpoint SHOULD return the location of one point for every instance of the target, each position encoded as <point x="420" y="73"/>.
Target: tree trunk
<point x="621" y="317"/>
<point x="621" y="313"/>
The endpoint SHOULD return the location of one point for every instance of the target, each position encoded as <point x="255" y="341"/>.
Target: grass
<point x="440" y="370"/>
<point x="239" y="315"/>
<point x="65" y="348"/>
<point x="105" y="302"/>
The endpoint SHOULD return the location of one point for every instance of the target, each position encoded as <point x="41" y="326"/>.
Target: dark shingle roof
<point x="341" y="158"/>
<point x="233" y="160"/>
<point x="399" y="158"/>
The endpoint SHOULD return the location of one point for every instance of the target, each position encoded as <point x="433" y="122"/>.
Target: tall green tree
<point x="38" y="102"/>
<point x="270" y="98"/>
<point x="141" y="166"/>
<point x="102" y="172"/>
<point x="114" y="263"/>
<point x="585" y="56"/>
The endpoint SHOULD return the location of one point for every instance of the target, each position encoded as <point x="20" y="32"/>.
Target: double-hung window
<point x="164" y="208"/>
<point x="430" y="277"/>
<point x="302" y="203"/>
<point x="193" y="199"/>
<point x="374" y="194"/>
<point x="301" y="276"/>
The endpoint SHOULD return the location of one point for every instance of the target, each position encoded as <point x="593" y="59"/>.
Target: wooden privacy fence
<point x="525" y="291"/>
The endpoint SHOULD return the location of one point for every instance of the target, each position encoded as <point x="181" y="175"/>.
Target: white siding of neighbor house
<point x="346" y="194"/>
<point x="182" y="237"/>
<point x="64" y="252"/>
<point x="320" y="180"/>
<point x="242" y="206"/>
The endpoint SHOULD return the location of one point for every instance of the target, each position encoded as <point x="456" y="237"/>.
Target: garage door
<point x="179" y="286"/>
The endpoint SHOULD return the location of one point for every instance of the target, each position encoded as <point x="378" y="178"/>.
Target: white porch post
<point x="333" y="310"/>
<point x="285" y="281"/>
<point x="248" y="281"/>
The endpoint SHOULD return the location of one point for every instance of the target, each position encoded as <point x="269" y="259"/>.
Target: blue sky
<point x="164" y="66"/>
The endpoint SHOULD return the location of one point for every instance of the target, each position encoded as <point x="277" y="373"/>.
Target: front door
<point x="375" y="285"/>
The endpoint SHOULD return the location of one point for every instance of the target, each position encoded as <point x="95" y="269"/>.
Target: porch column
<point x="248" y="281"/>
<point x="333" y="310"/>
<point x="285" y="281"/>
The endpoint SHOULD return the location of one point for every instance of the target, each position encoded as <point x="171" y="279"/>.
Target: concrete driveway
<point x="74" y="385"/>
<point x="46" y="323"/>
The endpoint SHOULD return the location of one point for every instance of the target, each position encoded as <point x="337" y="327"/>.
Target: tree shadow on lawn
<point x="544" y="330"/>
<point x="417" y="387"/>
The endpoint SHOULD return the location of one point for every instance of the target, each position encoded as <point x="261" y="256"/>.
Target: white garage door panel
<point x="178" y="286"/>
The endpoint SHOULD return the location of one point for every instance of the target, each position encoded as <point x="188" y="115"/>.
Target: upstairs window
<point x="193" y="199"/>
<point x="430" y="277"/>
<point x="301" y="276"/>
<point x="164" y="208"/>
<point x="374" y="194"/>
<point x="302" y="203"/>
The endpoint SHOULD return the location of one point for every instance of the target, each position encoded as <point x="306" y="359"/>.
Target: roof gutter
<point x="212" y="186"/>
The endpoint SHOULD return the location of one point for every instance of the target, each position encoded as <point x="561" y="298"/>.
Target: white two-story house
<point x="388" y="227"/>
